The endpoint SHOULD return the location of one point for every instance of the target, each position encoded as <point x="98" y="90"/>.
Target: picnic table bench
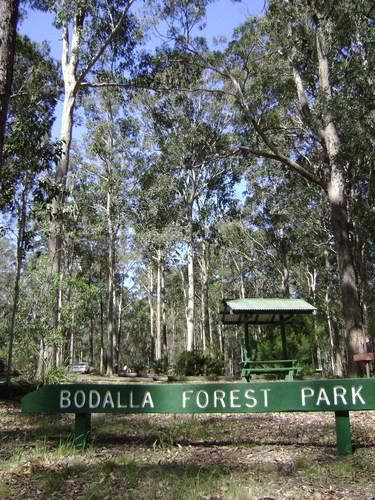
<point x="288" y="367"/>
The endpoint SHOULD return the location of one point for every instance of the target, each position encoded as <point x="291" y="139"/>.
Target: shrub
<point x="59" y="375"/>
<point x="160" y="367"/>
<point x="193" y="363"/>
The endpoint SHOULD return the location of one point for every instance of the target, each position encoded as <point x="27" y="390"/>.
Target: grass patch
<point x="4" y="491"/>
<point x="303" y="464"/>
<point x="50" y="427"/>
<point x="50" y="481"/>
<point x="157" y="432"/>
<point x="165" y="457"/>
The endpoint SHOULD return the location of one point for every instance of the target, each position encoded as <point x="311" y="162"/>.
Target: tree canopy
<point x="197" y="173"/>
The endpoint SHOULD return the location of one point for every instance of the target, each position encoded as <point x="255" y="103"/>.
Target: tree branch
<point x="293" y="165"/>
<point x="104" y="45"/>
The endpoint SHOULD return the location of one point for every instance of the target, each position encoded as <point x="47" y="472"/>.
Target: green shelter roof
<point x="262" y="311"/>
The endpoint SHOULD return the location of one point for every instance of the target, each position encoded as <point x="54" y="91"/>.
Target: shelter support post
<point x="247" y="341"/>
<point x="283" y="337"/>
<point x="343" y="433"/>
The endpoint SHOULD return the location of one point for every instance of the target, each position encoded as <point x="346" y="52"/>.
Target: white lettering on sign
<point x="336" y="396"/>
<point x="339" y="392"/>
<point x="306" y="392"/>
<point x="265" y="395"/>
<point x="355" y="395"/>
<point x="147" y="400"/>
<point x="322" y="396"/>
<point x="202" y="402"/>
<point x="79" y="399"/>
<point x="109" y="400"/>
<point x="186" y="397"/>
<point x="252" y="398"/>
<point x="65" y="399"/>
<point x="249" y="396"/>
<point x="119" y="404"/>
<point x="219" y="398"/>
<point x="234" y="397"/>
<point x="94" y="399"/>
<point x="131" y="401"/>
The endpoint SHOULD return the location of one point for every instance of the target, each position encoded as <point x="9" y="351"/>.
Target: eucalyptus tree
<point x="90" y="33"/>
<point x="111" y="143"/>
<point x="87" y="252"/>
<point x="191" y="135"/>
<point x="8" y="32"/>
<point x="157" y="234"/>
<point x="28" y="154"/>
<point x="297" y="77"/>
<point x="289" y="223"/>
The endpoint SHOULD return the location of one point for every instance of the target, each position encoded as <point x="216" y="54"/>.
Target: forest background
<point x="187" y="172"/>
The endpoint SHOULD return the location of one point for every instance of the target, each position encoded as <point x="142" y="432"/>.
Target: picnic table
<point x="286" y="367"/>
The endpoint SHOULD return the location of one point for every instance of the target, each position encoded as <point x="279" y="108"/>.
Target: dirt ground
<point x="258" y="456"/>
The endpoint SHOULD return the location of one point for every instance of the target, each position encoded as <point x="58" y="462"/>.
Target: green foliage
<point x="195" y="363"/>
<point x="28" y="150"/>
<point x="59" y="375"/>
<point x="161" y="367"/>
<point x="190" y="363"/>
<point x="165" y="160"/>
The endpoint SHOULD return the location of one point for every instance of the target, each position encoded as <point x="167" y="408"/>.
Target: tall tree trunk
<point x="92" y="330"/>
<point x="362" y="260"/>
<point x="111" y="279"/>
<point x="69" y="61"/>
<point x="101" y="305"/>
<point x="285" y="290"/>
<point x="158" y="331"/>
<point x="91" y="341"/>
<point x="119" y="326"/>
<point x="312" y="278"/>
<point x="40" y="370"/>
<point x="71" y="347"/>
<point x="115" y="339"/>
<point x="150" y="291"/>
<point x="8" y="33"/>
<point x="16" y="292"/>
<point x="190" y="304"/>
<point x="204" y="266"/>
<point x="73" y="78"/>
<point x="337" y="202"/>
<point x="164" y="315"/>
<point x="173" y="347"/>
<point x="337" y="364"/>
<point x="240" y="269"/>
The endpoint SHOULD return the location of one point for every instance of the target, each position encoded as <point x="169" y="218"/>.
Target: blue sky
<point x="223" y="16"/>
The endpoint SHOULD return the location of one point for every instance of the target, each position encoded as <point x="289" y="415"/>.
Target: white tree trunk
<point x="111" y="279"/>
<point x="158" y="332"/>
<point x="190" y="305"/>
<point x="150" y="291"/>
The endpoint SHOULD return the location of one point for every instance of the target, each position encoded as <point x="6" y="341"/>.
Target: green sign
<point x="338" y="396"/>
<point x="254" y="397"/>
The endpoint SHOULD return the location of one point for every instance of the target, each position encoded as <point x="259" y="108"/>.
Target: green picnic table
<point x="286" y="367"/>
